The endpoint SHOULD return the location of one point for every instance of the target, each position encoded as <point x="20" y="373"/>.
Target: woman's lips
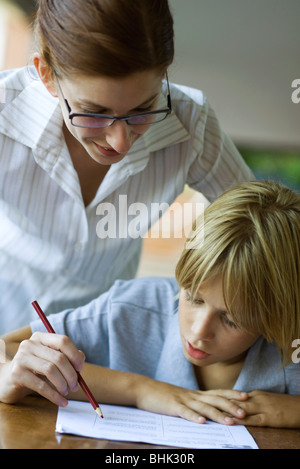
<point x="195" y="353"/>
<point x="107" y="151"/>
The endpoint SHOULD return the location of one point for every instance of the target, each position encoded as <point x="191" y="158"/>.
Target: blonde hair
<point x="252" y="239"/>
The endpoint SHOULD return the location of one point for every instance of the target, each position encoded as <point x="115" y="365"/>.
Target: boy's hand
<point x="220" y="405"/>
<point x="267" y="409"/>
<point x="46" y="364"/>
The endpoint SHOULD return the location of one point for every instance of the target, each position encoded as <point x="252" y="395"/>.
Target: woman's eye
<point x="145" y="109"/>
<point x="87" y="111"/>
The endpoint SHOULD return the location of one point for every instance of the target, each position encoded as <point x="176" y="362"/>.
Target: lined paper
<point x="131" y="424"/>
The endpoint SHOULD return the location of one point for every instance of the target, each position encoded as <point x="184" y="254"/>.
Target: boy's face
<point x="207" y="333"/>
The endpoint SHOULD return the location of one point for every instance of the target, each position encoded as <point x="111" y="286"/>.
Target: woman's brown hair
<point x="113" y="38"/>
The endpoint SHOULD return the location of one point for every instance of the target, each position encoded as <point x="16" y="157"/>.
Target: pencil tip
<point x="98" y="412"/>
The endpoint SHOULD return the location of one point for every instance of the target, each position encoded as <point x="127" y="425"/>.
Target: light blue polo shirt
<point x="134" y="327"/>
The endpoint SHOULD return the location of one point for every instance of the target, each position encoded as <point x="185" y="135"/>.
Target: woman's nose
<point x="120" y="137"/>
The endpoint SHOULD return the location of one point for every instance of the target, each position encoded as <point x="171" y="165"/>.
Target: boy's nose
<point x="203" y="327"/>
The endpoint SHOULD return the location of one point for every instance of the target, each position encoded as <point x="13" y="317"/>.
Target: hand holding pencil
<point x="81" y="381"/>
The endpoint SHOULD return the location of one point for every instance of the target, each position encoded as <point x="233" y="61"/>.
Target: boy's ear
<point x="45" y="73"/>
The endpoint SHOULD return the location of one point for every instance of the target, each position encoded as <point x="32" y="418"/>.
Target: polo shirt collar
<point x="262" y="367"/>
<point x="173" y="367"/>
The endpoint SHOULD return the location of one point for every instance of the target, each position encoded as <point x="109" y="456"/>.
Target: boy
<point x="223" y="350"/>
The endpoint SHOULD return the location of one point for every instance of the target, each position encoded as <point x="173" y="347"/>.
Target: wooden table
<point x="31" y="425"/>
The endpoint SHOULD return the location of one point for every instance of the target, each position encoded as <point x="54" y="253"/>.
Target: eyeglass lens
<point x="98" y="122"/>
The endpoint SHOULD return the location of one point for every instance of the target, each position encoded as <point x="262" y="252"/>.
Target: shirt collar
<point x="262" y="369"/>
<point x="166" y="133"/>
<point x="27" y="116"/>
<point x="175" y="369"/>
<point x="158" y="137"/>
<point x="33" y="118"/>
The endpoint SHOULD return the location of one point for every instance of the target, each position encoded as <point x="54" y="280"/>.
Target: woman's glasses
<point x="99" y="121"/>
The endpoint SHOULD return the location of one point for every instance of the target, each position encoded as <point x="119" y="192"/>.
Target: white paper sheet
<point x="130" y="424"/>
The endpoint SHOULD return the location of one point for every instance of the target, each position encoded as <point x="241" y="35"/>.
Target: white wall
<point x="244" y="54"/>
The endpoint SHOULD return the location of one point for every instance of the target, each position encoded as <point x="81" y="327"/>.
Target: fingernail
<point x="228" y="419"/>
<point x="75" y="387"/>
<point x="201" y="420"/>
<point x="240" y="412"/>
<point x="79" y="367"/>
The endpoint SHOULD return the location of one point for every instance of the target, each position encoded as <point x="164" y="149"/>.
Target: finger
<point x="25" y="379"/>
<point x="227" y="407"/>
<point x="249" y="406"/>
<point x="63" y="344"/>
<point x="54" y="365"/>
<point x="42" y="365"/>
<point x="188" y="413"/>
<point x="256" y="420"/>
<point x="44" y="389"/>
<point x="212" y="413"/>
<point x="196" y="411"/>
<point x="229" y="394"/>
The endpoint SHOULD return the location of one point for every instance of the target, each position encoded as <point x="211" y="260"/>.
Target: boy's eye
<point x="227" y="321"/>
<point x="195" y="301"/>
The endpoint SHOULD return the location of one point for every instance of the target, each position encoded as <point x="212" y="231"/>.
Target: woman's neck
<point x="90" y="173"/>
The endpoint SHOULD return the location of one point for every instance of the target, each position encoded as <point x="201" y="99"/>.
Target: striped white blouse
<point x="52" y="247"/>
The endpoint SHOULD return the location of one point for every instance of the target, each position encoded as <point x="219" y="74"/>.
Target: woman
<point x="92" y="122"/>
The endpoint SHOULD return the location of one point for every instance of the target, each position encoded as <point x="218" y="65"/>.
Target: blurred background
<point x="244" y="55"/>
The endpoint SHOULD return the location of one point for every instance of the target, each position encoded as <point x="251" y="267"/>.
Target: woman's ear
<point x="45" y="73"/>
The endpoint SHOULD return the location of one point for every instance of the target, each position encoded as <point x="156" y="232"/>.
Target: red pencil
<point x="81" y="381"/>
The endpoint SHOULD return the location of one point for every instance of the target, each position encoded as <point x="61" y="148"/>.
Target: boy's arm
<point x="123" y="388"/>
<point x="45" y="364"/>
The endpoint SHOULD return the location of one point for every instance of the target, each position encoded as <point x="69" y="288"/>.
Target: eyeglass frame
<point x="116" y="118"/>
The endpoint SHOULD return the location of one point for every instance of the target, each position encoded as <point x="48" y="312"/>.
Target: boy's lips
<point x="194" y="352"/>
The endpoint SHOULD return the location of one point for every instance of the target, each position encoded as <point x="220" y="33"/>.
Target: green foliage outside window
<point x="280" y="166"/>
